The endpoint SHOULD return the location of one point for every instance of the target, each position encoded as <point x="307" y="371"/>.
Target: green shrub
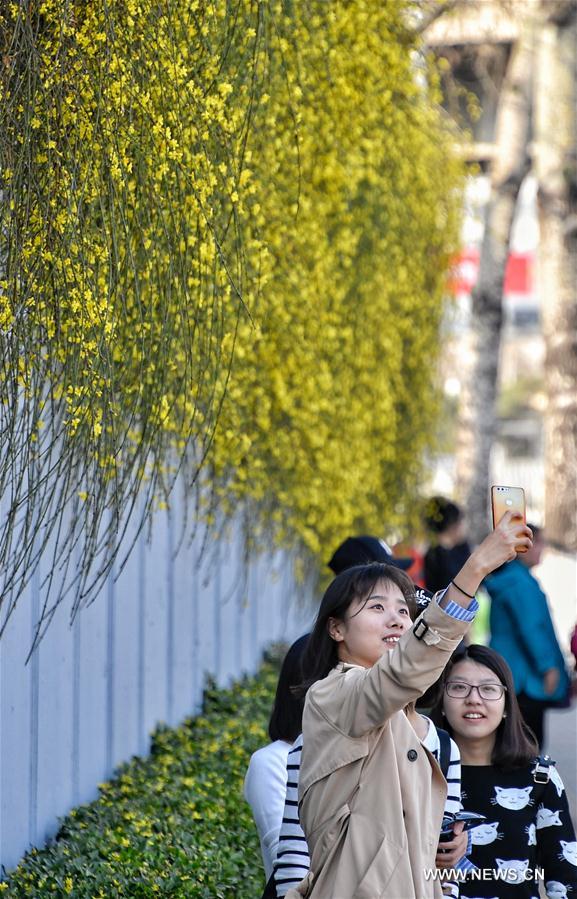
<point x="173" y="824"/>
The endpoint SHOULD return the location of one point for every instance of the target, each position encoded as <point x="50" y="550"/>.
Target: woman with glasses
<point x="527" y="833"/>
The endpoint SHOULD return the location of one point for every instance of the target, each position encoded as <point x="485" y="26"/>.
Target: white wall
<point x="92" y="693"/>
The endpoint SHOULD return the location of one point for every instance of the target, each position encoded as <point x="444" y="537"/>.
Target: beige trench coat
<point x="371" y="797"/>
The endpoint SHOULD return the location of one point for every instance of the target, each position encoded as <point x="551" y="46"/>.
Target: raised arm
<point x="498" y="547"/>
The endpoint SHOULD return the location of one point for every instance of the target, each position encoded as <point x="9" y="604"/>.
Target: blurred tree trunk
<point x="510" y="165"/>
<point x="556" y="170"/>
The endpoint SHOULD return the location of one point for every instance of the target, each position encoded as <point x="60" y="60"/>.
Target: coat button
<point x="412" y="755"/>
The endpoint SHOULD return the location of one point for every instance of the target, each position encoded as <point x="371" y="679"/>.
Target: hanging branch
<point x="113" y="310"/>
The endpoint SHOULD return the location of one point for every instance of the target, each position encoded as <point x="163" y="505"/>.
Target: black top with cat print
<point x="527" y="827"/>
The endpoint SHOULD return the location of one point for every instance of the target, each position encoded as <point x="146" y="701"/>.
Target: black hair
<point x="321" y="654"/>
<point x="441" y="514"/>
<point x="287" y="712"/>
<point x="515" y="744"/>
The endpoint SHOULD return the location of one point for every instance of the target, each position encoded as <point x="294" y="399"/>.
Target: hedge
<point x="172" y="824"/>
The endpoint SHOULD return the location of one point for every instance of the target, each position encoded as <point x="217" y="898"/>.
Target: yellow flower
<point x="232" y="253"/>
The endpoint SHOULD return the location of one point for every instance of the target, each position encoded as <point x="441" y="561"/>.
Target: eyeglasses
<point x="459" y="690"/>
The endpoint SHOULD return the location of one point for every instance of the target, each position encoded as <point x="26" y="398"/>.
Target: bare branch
<point x="435" y="12"/>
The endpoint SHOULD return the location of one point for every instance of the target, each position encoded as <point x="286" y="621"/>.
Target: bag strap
<point x="270" y="888"/>
<point x="444" y="751"/>
<point x="541" y="773"/>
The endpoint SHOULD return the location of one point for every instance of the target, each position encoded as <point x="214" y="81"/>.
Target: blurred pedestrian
<point x="522" y="631"/>
<point x="449" y="549"/>
<point x="362" y="550"/>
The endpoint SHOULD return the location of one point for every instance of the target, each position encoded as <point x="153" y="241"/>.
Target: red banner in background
<point x="518" y="276"/>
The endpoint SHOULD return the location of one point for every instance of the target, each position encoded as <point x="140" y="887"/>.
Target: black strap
<point x="270" y="889"/>
<point x="444" y="750"/>
<point x="541" y="776"/>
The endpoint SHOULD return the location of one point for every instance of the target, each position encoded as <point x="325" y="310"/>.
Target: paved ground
<point x="558" y="576"/>
<point x="562" y="746"/>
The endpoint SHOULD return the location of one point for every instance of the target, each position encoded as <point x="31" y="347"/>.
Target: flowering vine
<point x="225" y="228"/>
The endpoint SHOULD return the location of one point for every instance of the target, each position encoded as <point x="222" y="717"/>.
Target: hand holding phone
<point x="469" y="819"/>
<point x="508" y="499"/>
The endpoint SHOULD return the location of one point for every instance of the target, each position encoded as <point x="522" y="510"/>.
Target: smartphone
<point x="470" y="819"/>
<point x="508" y="499"/>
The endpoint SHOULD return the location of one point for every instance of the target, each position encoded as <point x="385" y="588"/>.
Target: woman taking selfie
<point x="292" y="862"/>
<point x="527" y="822"/>
<point x="371" y="796"/>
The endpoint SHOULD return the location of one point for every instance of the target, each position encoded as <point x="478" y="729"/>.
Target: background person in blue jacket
<point x="522" y="631"/>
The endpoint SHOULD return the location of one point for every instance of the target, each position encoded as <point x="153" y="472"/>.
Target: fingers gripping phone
<point x="508" y="499"/>
<point x="469" y="819"/>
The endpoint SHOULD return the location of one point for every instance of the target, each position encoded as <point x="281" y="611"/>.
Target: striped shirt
<point x="292" y="859"/>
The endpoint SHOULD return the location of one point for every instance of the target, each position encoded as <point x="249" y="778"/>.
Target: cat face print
<point x="568" y="852"/>
<point x="483" y="834"/>
<point x="547" y="818"/>
<point x="556" y="890"/>
<point x="531" y="832"/>
<point x="512" y="798"/>
<point x="513" y="865"/>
